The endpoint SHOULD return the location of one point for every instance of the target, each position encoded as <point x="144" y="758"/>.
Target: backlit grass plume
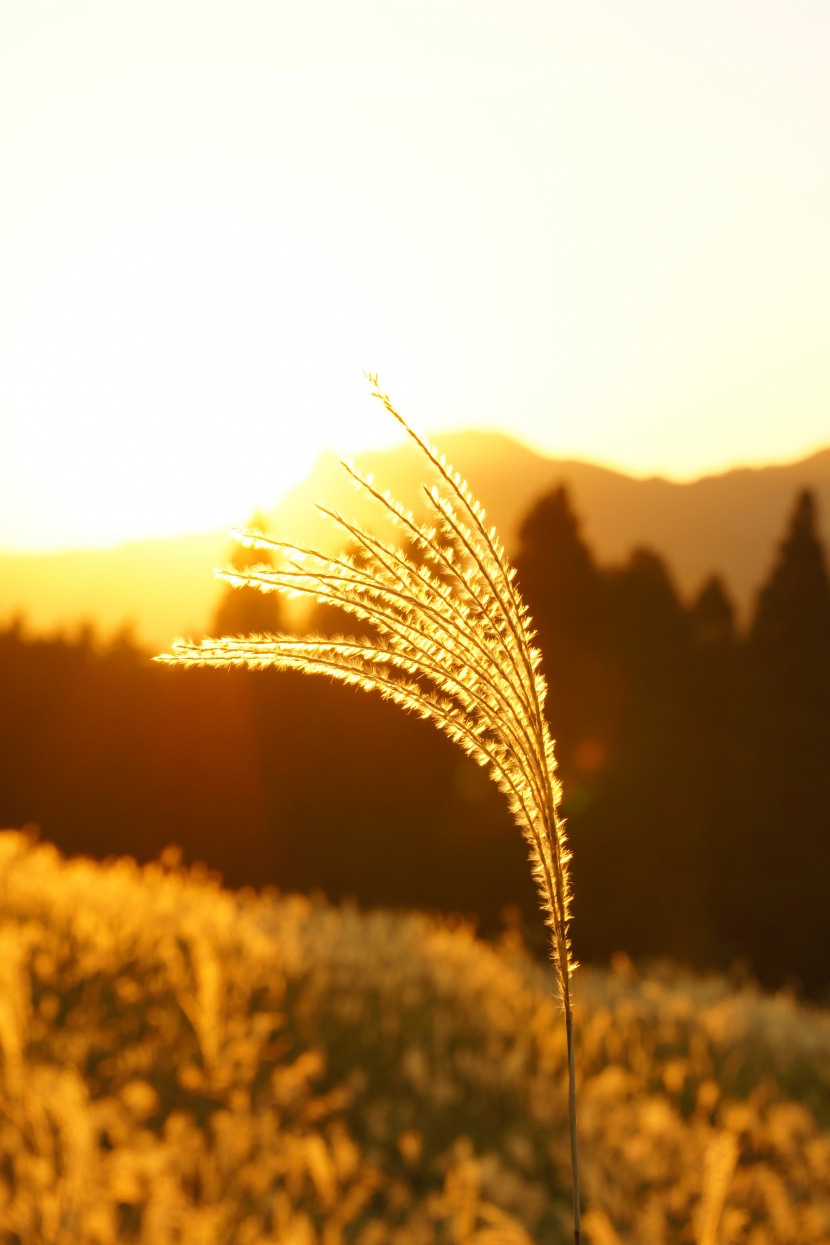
<point x="451" y="640"/>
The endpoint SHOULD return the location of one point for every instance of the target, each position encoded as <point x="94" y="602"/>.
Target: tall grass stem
<point x="450" y="639"/>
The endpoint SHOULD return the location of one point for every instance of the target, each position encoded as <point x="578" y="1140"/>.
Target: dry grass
<point x="181" y="1063"/>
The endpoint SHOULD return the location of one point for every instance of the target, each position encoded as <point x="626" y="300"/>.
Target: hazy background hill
<point x="728" y="524"/>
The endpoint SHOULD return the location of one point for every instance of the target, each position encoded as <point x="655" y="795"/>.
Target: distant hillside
<point x="160" y="588"/>
<point x="729" y="523"/>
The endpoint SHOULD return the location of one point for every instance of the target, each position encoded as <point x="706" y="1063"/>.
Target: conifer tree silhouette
<point x="774" y="901"/>
<point x="564" y="589"/>
<point x="644" y="618"/>
<point x="556" y="567"/>
<point x="245" y="611"/>
<point x="791" y="627"/>
<point x="713" y="615"/>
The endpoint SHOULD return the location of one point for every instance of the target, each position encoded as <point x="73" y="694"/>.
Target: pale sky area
<point x="600" y="227"/>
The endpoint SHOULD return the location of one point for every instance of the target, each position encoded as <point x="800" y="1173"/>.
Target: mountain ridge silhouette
<point x="728" y="524"/>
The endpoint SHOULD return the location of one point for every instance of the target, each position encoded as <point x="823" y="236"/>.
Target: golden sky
<point x="601" y="227"/>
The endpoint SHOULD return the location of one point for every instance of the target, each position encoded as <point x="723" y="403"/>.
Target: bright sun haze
<point x="175" y="375"/>
<point x="600" y="228"/>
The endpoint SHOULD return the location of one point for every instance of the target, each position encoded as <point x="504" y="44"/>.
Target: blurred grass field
<point x="184" y="1063"/>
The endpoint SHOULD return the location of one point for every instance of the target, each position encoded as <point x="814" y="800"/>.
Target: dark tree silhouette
<point x="615" y="646"/>
<point x="564" y="590"/>
<point x="643" y="852"/>
<point x="713" y="616"/>
<point x="555" y="567"/>
<point x="791" y="627"/>
<point x="644" y="620"/>
<point x="246" y="611"/>
<point x="777" y="859"/>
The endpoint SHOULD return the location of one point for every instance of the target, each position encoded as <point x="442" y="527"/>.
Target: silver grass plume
<point x="453" y="643"/>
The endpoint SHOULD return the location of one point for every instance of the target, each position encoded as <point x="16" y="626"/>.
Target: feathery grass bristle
<point x="453" y="643"/>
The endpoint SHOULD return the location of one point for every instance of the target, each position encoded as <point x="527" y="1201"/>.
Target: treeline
<point x="695" y="759"/>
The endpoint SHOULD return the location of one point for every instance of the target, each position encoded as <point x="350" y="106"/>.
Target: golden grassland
<point x="184" y="1063"/>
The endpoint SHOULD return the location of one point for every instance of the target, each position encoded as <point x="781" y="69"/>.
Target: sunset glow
<point x="602" y="230"/>
<point x="473" y="354"/>
<point x="168" y="379"/>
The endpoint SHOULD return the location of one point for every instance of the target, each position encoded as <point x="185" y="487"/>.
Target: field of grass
<point x="186" y="1064"/>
